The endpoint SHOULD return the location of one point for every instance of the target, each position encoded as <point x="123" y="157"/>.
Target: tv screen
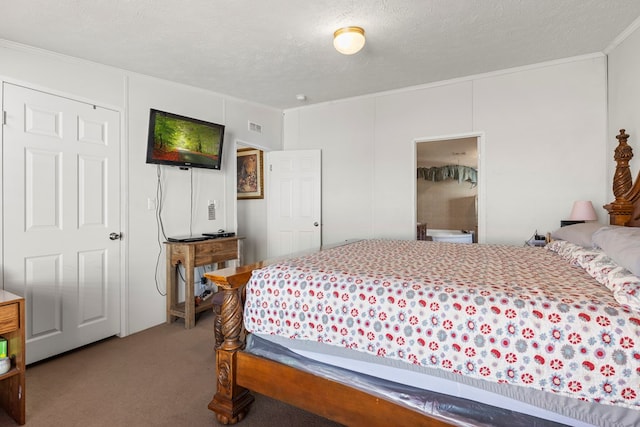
<point x="176" y="140"/>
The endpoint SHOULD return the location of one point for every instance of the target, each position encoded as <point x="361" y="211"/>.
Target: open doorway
<point x="447" y="189"/>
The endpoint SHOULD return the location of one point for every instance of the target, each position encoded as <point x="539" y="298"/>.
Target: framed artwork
<point x="250" y="184"/>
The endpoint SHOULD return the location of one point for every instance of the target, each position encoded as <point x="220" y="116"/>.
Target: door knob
<point x="115" y="236"/>
<point x="315" y="224"/>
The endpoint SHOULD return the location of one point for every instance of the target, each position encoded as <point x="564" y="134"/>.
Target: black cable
<point x="161" y="233"/>
<point x="203" y="280"/>
<point x="191" y="203"/>
<point x="160" y="202"/>
<point x="160" y="227"/>
<point x="180" y="275"/>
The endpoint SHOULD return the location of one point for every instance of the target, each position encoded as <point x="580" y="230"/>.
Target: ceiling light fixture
<point x="348" y="40"/>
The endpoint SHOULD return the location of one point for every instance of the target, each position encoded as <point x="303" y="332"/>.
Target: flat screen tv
<point x="185" y="142"/>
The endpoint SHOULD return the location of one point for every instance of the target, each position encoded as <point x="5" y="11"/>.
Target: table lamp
<point x="582" y="211"/>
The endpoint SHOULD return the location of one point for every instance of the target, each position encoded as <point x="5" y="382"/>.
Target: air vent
<point x="254" y="127"/>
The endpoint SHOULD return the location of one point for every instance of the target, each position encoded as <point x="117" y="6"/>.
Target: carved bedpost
<point x="621" y="209"/>
<point x="622" y="177"/>
<point x="231" y="402"/>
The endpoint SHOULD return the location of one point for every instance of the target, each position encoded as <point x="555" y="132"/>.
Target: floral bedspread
<point x="520" y="315"/>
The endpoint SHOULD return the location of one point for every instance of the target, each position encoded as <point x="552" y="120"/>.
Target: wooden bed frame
<point x="238" y="372"/>
<point x="625" y="209"/>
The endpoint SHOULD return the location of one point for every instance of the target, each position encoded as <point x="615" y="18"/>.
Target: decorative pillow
<point x="622" y="244"/>
<point x="578" y="234"/>
<point x="620" y="281"/>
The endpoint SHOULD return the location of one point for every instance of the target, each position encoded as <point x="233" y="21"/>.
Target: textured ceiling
<point x="268" y="51"/>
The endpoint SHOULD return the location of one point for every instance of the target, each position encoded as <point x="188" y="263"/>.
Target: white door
<point x="293" y="201"/>
<point x="61" y="184"/>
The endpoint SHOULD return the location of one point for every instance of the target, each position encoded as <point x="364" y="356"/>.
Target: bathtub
<point x="451" y="236"/>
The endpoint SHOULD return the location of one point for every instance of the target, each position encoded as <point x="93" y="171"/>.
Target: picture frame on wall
<point x="250" y="182"/>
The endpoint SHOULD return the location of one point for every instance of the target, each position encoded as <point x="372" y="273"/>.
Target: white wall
<point x="252" y="214"/>
<point x="344" y="133"/>
<point x="401" y="118"/>
<point x="145" y="93"/>
<point x="545" y="145"/>
<point x="624" y="99"/>
<point x="134" y="95"/>
<point x="544" y="141"/>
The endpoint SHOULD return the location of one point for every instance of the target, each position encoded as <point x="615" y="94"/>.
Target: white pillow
<point x="578" y="234"/>
<point x="622" y="244"/>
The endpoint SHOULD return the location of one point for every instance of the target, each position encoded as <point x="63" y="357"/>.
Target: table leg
<point x="189" y="294"/>
<point x="172" y="287"/>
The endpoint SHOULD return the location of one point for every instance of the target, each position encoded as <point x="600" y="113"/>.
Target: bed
<point x="390" y="332"/>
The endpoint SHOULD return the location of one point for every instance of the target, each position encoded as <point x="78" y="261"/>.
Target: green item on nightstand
<point x="3" y="347"/>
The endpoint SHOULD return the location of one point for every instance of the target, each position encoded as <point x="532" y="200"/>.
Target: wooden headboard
<point x="625" y="209"/>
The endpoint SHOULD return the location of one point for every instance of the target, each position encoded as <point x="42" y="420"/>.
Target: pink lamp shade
<point x="583" y="211"/>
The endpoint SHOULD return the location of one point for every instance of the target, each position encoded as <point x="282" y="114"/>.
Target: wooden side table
<point x="192" y="255"/>
<point x="12" y="383"/>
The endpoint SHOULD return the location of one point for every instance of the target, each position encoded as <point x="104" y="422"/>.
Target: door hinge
<point x="4" y="117"/>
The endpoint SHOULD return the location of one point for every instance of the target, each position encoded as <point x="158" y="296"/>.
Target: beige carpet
<point x="163" y="376"/>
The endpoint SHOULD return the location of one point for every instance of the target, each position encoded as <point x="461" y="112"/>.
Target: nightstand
<point x="12" y="383"/>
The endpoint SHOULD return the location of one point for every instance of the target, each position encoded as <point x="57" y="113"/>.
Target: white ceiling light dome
<point x="348" y="40"/>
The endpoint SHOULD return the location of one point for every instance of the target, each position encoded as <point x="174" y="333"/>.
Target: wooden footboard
<point x="238" y="372"/>
<point x="231" y="401"/>
<point x="327" y="398"/>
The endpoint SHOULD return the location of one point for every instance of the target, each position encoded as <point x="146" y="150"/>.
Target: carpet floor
<point x="163" y="376"/>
